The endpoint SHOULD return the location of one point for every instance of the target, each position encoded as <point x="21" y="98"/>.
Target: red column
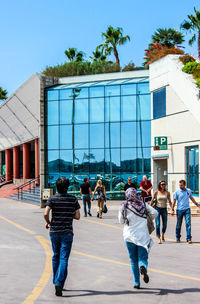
<point x="8" y="165"/>
<point x="16" y="162"/>
<point x="36" y="158"/>
<point x="26" y="161"/>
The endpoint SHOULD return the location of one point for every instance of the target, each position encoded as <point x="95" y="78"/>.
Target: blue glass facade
<point x="101" y="131"/>
<point x="159" y="103"/>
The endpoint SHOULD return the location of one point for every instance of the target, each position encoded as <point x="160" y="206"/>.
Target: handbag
<point x="105" y="209"/>
<point x="155" y="201"/>
<point x="150" y="223"/>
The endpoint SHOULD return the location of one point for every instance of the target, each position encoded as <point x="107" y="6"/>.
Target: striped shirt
<point x="63" y="208"/>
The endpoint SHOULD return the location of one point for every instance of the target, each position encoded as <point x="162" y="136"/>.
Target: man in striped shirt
<point x="64" y="209"/>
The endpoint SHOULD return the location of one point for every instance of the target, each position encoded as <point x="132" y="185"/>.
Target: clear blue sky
<point x="35" y="33"/>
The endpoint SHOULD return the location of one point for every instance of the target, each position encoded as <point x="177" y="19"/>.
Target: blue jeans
<point x="138" y="257"/>
<point x="180" y="214"/>
<point x="162" y="212"/>
<point x="86" y="199"/>
<point x="61" y="245"/>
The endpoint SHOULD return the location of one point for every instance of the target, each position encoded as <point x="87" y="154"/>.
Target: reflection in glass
<point x="53" y="137"/>
<point x="66" y="137"/>
<point x="81" y="111"/>
<point x="97" y="135"/>
<point x="112" y="135"/>
<point x="144" y="134"/>
<point x="113" y="90"/>
<point x="66" y="94"/>
<point x="96" y="91"/>
<point x="128" y="89"/>
<point x="52" y="115"/>
<point x="129" y="160"/>
<point x="81" y="136"/>
<point x="82" y="158"/>
<point x="66" y="161"/>
<point x="143" y="88"/>
<point x="66" y="111"/>
<point x="144" y="160"/>
<point x="128" y="134"/>
<point x="112" y="160"/>
<point x="144" y="107"/>
<point x="128" y="108"/>
<point x="96" y="160"/>
<point x="53" y="162"/>
<point x="112" y="110"/>
<point x="52" y="94"/>
<point x="96" y="110"/>
<point x="83" y="93"/>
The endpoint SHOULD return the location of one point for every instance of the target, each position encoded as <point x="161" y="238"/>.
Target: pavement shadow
<point x="156" y="291"/>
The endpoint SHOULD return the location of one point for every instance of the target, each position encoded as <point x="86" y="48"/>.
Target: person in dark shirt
<point x="86" y="191"/>
<point x="130" y="184"/>
<point x="64" y="209"/>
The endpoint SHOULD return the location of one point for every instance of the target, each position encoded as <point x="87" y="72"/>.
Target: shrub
<point x="198" y="82"/>
<point x="157" y="51"/>
<point x="187" y="58"/>
<point x="130" y="67"/>
<point x="190" y="67"/>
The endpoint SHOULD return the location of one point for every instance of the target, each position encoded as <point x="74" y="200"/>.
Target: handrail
<point x="29" y="183"/>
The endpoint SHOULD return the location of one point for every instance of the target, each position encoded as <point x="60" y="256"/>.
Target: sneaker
<point x="143" y="272"/>
<point x="89" y="213"/>
<point x="136" y="286"/>
<point x="178" y="240"/>
<point x="58" y="291"/>
<point x="189" y="241"/>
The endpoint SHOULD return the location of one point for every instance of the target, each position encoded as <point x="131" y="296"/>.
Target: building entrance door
<point x="192" y="168"/>
<point x="160" y="171"/>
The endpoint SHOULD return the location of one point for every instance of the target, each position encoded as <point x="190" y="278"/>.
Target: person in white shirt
<point x="132" y="214"/>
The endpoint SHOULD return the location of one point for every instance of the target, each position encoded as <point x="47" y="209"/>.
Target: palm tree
<point x="3" y="94"/>
<point x="73" y="55"/>
<point x="101" y="53"/>
<point x="193" y="25"/>
<point x="113" y="38"/>
<point x="167" y="37"/>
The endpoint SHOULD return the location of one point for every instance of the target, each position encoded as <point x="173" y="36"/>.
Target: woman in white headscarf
<point x="132" y="214"/>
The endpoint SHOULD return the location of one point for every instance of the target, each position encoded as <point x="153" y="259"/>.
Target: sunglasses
<point x="162" y="184"/>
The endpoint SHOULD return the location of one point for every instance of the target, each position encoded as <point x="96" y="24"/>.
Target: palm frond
<point x="192" y="40"/>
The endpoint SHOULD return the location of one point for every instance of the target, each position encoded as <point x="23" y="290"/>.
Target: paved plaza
<point x="99" y="270"/>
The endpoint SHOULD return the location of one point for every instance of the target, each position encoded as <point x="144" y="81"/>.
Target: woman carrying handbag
<point x="101" y="197"/>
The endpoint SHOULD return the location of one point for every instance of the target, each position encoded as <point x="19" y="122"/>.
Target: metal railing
<point x="30" y="185"/>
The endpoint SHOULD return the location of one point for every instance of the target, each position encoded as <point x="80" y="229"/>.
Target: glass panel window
<point x="128" y="108"/>
<point x="128" y="89"/>
<point x="113" y="90"/>
<point x="128" y="134"/>
<point x="159" y="103"/>
<point x="81" y="92"/>
<point x="143" y="88"/>
<point x="66" y="94"/>
<point x="128" y="160"/>
<point x="53" y="137"/>
<point x="97" y="110"/>
<point x="144" y="134"/>
<point x="52" y="112"/>
<point x="97" y="161"/>
<point x="96" y="92"/>
<point x="66" y="111"/>
<point x="192" y="167"/>
<point x="81" y="110"/>
<point x="144" y="107"/>
<point x="112" y="135"/>
<point x="81" y="136"/>
<point x="53" y="162"/>
<point x="66" y="137"/>
<point x="66" y="162"/>
<point x="52" y="94"/>
<point x="82" y="159"/>
<point x="112" y="110"/>
<point x="112" y="161"/>
<point x="96" y="135"/>
<point x="144" y="160"/>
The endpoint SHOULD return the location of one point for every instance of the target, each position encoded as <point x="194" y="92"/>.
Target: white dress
<point x="137" y="231"/>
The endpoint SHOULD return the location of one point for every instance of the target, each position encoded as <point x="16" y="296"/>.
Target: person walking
<point x="146" y="187"/>
<point x="64" y="209"/>
<point x="182" y="197"/>
<point x="161" y="196"/>
<point x="129" y="184"/>
<point x="132" y="214"/>
<point x="85" y="191"/>
<point x="101" y="197"/>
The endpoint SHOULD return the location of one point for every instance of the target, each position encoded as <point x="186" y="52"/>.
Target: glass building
<point x="100" y="130"/>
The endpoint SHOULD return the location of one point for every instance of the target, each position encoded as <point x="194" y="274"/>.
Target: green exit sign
<point x="161" y="142"/>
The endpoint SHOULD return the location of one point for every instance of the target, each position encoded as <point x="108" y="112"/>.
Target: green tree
<point x="101" y="53"/>
<point x="192" y="25"/>
<point x="3" y="94"/>
<point x="167" y="37"/>
<point x="114" y="38"/>
<point x="73" y="55"/>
